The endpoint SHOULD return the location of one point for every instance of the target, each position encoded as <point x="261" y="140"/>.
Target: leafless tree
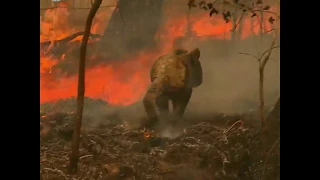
<point x="74" y="157"/>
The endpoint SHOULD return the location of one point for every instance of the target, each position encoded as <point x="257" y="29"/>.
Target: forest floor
<point x="211" y="147"/>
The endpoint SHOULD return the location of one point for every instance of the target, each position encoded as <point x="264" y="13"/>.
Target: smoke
<point x="230" y="80"/>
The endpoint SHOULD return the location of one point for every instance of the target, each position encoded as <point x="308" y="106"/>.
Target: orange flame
<point x="121" y="83"/>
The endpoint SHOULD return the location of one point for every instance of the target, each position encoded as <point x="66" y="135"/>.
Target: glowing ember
<point x="147" y="135"/>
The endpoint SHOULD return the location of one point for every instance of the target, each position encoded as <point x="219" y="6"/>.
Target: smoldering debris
<point x="209" y="147"/>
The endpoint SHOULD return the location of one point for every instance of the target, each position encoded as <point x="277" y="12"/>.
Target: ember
<point x="147" y="135"/>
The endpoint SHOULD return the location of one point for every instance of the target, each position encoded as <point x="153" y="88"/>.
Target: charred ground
<point x="212" y="146"/>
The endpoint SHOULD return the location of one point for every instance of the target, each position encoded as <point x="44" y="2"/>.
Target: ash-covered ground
<point x="202" y="147"/>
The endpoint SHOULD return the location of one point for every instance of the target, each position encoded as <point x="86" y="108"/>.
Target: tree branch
<point x="269" y="31"/>
<point x="54" y="43"/>
<point x="68" y="38"/>
<point x="269" y="51"/>
<point x="246" y="8"/>
<point x="235" y="27"/>
<point x="274" y="47"/>
<point x="247" y="54"/>
<point x="267" y="57"/>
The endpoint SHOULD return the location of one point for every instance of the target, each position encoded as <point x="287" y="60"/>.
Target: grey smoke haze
<point x="230" y="81"/>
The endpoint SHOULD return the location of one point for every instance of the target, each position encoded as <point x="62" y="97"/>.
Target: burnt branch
<point x="53" y="44"/>
<point x="68" y="38"/>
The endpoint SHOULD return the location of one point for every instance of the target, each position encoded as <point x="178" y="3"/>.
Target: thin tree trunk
<point x="264" y="128"/>
<point x="74" y="157"/>
<point x="262" y="63"/>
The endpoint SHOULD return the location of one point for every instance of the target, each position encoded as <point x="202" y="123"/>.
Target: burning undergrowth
<point x="117" y="81"/>
<point x="211" y="147"/>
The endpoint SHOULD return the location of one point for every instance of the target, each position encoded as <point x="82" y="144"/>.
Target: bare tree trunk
<point x="74" y="157"/>
<point x="262" y="63"/>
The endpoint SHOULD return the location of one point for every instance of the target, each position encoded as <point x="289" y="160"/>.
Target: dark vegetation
<point x="214" y="146"/>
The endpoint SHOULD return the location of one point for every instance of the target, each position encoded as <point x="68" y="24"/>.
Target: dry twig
<point x="238" y="122"/>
